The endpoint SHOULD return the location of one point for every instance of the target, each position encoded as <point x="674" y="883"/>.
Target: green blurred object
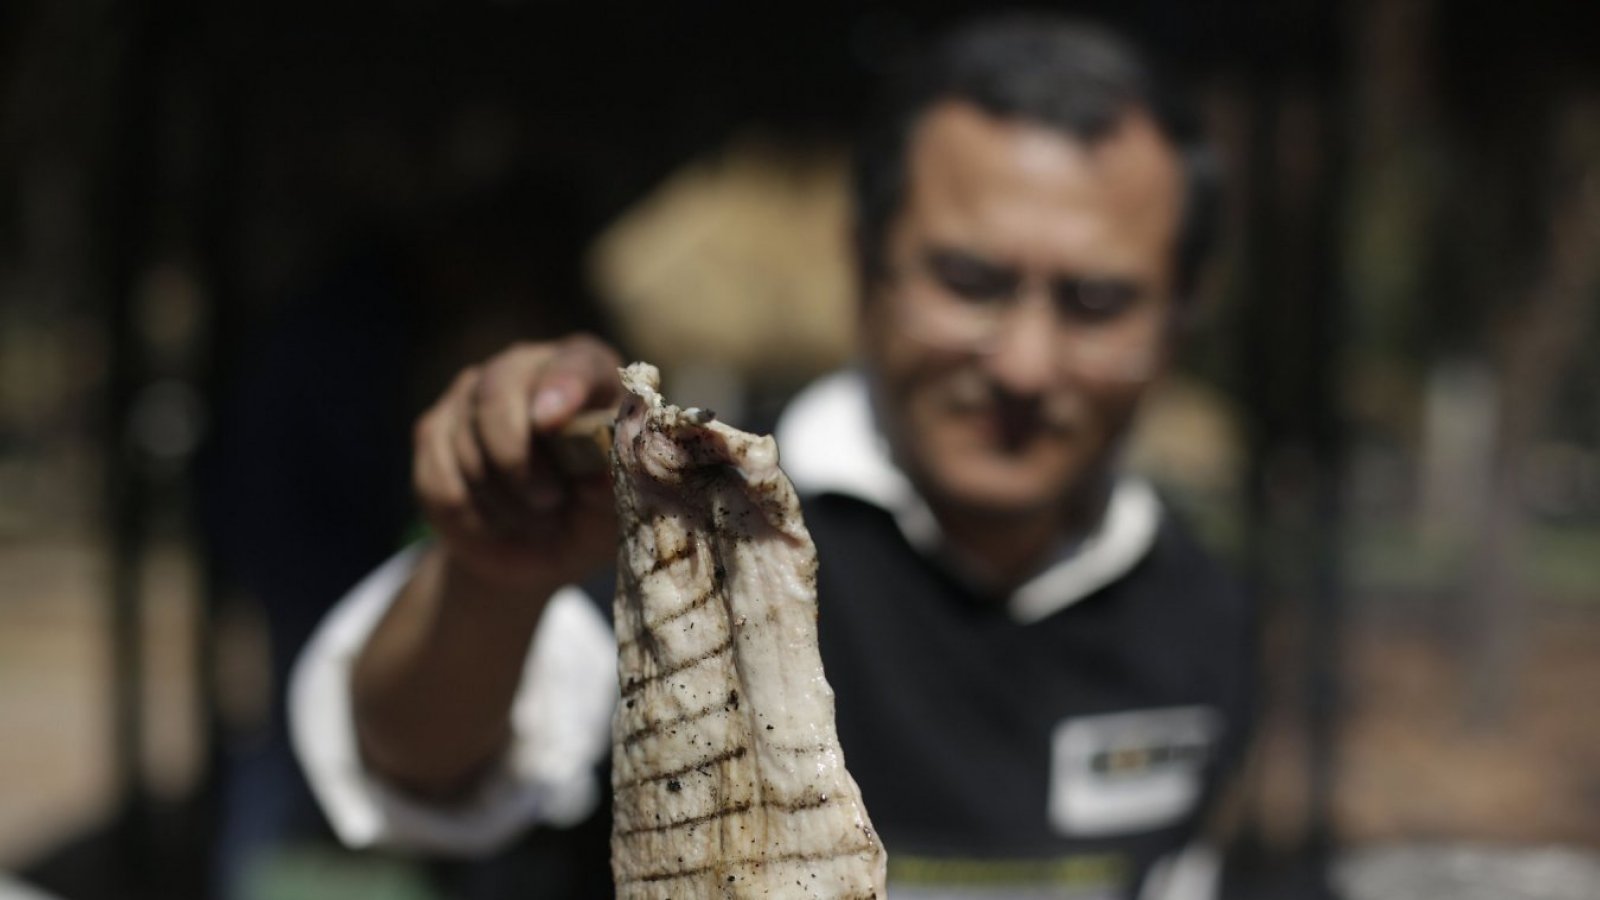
<point x="321" y="873"/>
<point x="1559" y="560"/>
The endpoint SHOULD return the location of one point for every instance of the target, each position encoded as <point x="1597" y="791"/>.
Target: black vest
<point x="953" y="717"/>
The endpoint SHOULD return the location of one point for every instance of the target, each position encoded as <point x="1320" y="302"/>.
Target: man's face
<point x="1026" y="305"/>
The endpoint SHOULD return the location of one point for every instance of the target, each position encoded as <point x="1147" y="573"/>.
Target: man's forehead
<point x="969" y="155"/>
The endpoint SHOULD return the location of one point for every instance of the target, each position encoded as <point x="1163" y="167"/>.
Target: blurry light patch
<point x="167" y="421"/>
<point x="736" y="261"/>
<point x="1562" y="480"/>
<point x="1457" y="456"/>
<point x="170" y="307"/>
<point x="18" y="484"/>
<point x="711" y="387"/>
<point x="32" y="374"/>
<point x="1188" y="435"/>
<point x="242" y="673"/>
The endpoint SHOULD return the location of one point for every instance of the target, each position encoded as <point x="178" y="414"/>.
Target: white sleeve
<point x="560" y="724"/>
<point x="1191" y="873"/>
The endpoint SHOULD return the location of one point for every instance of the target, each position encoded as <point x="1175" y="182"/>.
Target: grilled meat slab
<point x="727" y="773"/>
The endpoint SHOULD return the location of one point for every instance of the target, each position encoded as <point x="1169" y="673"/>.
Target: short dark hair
<point x="1078" y="78"/>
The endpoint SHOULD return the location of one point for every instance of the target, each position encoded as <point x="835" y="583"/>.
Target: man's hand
<point x="433" y="686"/>
<point x="507" y="517"/>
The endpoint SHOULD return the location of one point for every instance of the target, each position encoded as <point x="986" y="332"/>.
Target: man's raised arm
<point x="432" y="689"/>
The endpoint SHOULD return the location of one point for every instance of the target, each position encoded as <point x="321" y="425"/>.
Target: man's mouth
<point x="1012" y="421"/>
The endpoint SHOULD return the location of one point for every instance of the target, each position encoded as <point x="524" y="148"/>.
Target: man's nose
<point x="1022" y="359"/>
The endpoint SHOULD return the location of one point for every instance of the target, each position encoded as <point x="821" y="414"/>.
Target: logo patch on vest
<point x="1132" y="771"/>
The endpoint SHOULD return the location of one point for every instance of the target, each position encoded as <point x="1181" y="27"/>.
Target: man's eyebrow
<point x="1101" y="279"/>
<point x="1116" y="288"/>
<point x="941" y="252"/>
<point x="946" y="251"/>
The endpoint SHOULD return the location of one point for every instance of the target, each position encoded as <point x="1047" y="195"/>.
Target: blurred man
<point x="1041" y="680"/>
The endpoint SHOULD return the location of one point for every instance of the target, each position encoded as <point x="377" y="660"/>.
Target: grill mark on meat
<point x="660" y="725"/>
<point x="682" y="553"/>
<point x="639" y="682"/>
<point x="700" y="600"/>
<point x="803" y="803"/>
<point x="688" y="823"/>
<point x="719" y="575"/>
<point x="813" y="856"/>
<point x="797" y="751"/>
<point x="653" y="777"/>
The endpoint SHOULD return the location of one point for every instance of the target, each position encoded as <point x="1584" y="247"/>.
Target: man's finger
<point x="443" y="491"/>
<point x="500" y="411"/>
<point x="464" y="445"/>
<point x="435" y="473"/>
<point x="581" y="375"/>
<point x="433" y="470"/>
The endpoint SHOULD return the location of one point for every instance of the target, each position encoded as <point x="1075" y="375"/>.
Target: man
<point x="1041" y="680"/>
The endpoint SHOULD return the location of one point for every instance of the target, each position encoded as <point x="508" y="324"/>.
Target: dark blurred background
<point x="242" y="246"/>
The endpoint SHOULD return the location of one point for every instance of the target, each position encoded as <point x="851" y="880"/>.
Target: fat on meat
<point x="727" y="776"/>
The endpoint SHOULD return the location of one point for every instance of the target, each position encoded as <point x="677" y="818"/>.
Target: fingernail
<point x="548" y="403"/>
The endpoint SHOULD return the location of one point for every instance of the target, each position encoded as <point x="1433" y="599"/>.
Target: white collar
<point x="829" y="443"/>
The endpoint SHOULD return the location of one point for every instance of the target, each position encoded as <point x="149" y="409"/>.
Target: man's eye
<point x="972" y="279"/>
<point x="1094" y="300"/>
